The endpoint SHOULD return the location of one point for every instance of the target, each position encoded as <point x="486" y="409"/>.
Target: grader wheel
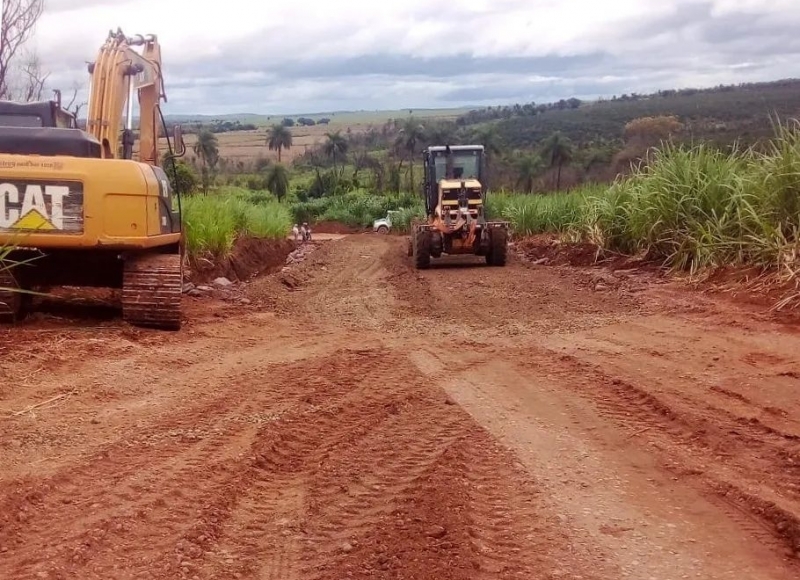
<point x="422" y="249"/>
<point x="498" y="250"/>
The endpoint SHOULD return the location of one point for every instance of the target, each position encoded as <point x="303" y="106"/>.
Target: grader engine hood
<point x="459" y="199"/>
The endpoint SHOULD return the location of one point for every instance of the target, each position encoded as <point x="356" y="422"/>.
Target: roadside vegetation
<point x="213" y="222"/>
<point x="690" y="207"/>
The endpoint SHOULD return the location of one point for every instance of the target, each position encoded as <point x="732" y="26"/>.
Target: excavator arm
<point x="117" y="73"/>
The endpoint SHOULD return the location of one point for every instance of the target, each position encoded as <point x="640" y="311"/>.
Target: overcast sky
<point x="304" y="56"/>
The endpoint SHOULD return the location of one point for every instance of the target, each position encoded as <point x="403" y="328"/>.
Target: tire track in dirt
<point x="355" y="467"/>
<point x="146" y="490"/>
<point x="113" y="400"/>
<point x="745" y="455"/>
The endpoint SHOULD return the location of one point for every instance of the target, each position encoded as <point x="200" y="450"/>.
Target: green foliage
<point x="279" y="138"/>
<point x="335" y="146"/>
<point x="533" y="214"/>
<point x="214" y="222"/>
<point x="207" y="148"/>
<point x="357" y="208"/>
<point x="722" y="115"/>
<point x="277" y="181"/>
<point x="689" y="207"/>
<point x="182" y="178"/>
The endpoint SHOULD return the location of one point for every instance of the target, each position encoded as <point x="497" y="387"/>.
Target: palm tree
<point x="557" y="151"/>
<point x="335" y="145"/>
<point x="206" y="149"/>
<point x="529" y="167"/>
<point x="279" y="137"/>
<point x="278" y="181"/>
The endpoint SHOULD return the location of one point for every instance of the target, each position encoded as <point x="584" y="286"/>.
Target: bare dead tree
<point x="74" y="106"/>
<point x="19" y="18"/>
<point x="34" y="78"/>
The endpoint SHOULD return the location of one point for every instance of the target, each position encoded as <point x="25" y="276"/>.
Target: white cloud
<point x="287" y="56"/>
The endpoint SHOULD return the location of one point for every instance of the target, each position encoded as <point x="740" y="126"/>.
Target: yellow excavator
<point x="76" y="207"/>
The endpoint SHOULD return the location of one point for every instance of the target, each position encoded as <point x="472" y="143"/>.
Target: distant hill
<point x="720" y="114"/>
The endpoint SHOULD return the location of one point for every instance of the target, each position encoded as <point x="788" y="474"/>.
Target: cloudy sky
<point x="304" y="56"/>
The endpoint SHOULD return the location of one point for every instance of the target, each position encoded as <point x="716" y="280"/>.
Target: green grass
<point x="690" y="207"/>
<point x="358" y="208"/>
<point x="534" y="214"/>
<point x="214" y="222"/>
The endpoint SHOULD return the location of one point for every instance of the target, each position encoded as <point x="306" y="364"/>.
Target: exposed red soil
<point x="368" y="420"/>
<point x="765" y="289"/>
<point x="250" y="257"/>
<point x="326" y="227"/>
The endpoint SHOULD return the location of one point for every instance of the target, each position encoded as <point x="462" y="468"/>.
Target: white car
<point x="384" y="225"/>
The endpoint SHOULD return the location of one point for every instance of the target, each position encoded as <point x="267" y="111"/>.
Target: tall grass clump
<point x="214" y="222"/>
<point x="773" y="211"/>
<point x="684" y="207"/>
<point x="701" y="207"/>
<point x="561" y="213"/>
<point x="689" y="207"/>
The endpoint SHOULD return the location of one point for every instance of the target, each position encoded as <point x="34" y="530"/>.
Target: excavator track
<point x="151" y="291"/>
<point x="10" y="301"/>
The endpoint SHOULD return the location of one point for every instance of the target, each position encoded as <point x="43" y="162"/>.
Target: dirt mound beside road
<point x="250" y="257"/>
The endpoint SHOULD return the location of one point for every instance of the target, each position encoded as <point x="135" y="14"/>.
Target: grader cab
<point x="455" y="207"/>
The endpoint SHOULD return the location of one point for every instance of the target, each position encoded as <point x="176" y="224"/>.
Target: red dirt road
<point x="360" y="419"/>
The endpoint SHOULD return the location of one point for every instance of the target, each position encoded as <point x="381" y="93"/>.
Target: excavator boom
<point x="117" y="73"/>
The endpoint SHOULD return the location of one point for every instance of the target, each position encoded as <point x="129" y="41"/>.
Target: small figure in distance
<point x="306" y="232"/>
<point x="295" y="232"/>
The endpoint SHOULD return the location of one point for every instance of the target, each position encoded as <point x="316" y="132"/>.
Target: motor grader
<point x="455" y="204"/>
<point x="77" y="208"/>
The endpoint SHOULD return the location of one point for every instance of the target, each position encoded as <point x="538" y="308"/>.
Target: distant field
<point x="250" y="145"/>
<point x="341" y="118"/>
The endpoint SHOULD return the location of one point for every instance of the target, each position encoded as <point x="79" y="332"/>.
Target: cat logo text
<point x="55" y="207"/>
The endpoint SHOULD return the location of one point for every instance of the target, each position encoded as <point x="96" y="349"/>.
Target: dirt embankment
<point x="372" y="421"/>
<point x="766" y="290"/>
<point x="250" y="257"/>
